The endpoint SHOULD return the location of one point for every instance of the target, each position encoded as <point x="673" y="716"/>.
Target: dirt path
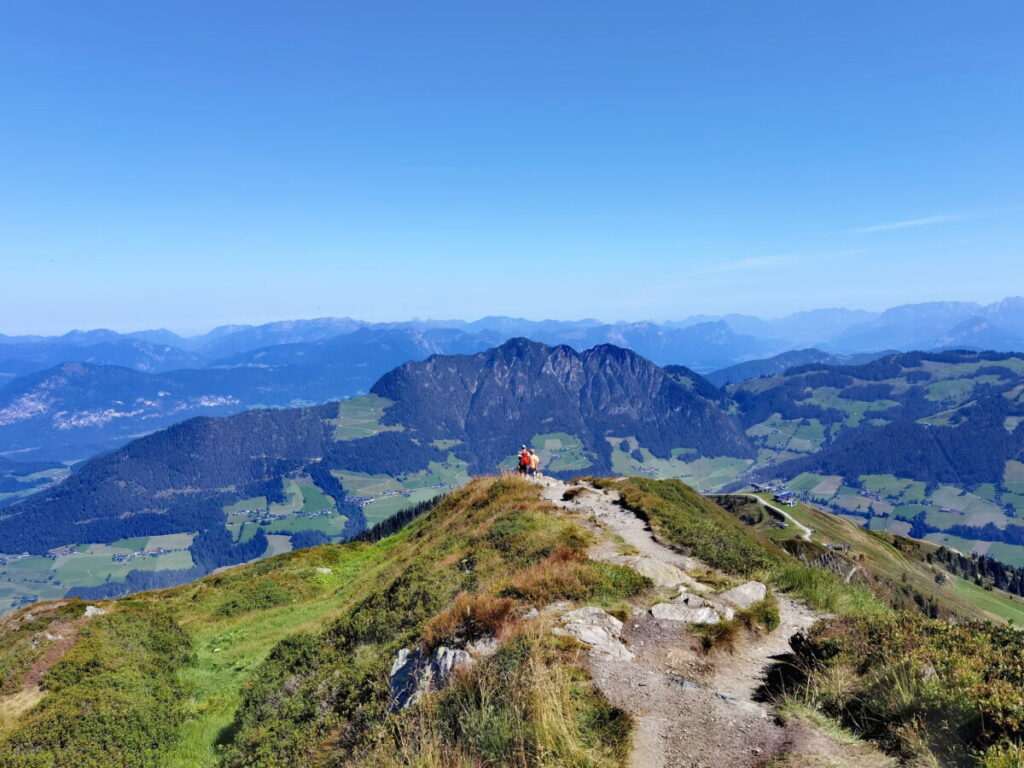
<point x="691" y="710"/>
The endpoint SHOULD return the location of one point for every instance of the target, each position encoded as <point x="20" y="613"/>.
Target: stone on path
<point x="598" y="629"/>
<point x="745" y="595"/>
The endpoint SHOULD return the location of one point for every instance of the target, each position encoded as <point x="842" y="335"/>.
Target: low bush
<point x="469" y="618"/>
<point x="118" y="699"/>
<point x="919" y="685"/>
<point x="527" y="706"/>
<point x="567" y="575"/>
<point x="255" y="596"/>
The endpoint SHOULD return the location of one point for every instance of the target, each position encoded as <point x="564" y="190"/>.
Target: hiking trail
<point x="691" y="709"/>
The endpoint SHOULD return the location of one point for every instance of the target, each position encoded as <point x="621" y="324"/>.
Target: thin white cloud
<point x="926" y="221"/>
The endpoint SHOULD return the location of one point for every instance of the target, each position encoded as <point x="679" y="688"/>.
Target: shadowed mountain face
<point x="180" y="478"/>
<point x="497" y="398"/>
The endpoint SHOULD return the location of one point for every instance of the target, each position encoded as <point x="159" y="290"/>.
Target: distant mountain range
<point x="125" y="385"/>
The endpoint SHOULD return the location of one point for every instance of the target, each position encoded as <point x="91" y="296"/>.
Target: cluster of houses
<point x="129" y="556"/>
<point x="58" y="552"/>
<point x="8" y="559"/>
<point x="364" y="500"/>
<point x="780" y="493"/>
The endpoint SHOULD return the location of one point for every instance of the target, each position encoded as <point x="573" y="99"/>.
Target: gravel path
<point x="692" y="710"/>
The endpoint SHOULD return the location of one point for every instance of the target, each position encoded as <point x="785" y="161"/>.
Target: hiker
<point x="534" y="463"/>
<point x="524" y="460"/>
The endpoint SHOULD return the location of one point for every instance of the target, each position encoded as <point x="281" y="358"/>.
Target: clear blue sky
<point x="189" y="163"/>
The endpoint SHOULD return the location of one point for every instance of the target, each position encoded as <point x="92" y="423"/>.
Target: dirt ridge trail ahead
<point x="691" y="710"/>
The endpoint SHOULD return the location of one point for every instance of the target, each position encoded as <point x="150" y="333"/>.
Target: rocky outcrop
<point x="596" y="628"/>
<point x="415" y="674"/>
<point x="745" y="595"/>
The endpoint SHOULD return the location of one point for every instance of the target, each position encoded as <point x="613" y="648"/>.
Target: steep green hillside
<point x="286" y="661"/>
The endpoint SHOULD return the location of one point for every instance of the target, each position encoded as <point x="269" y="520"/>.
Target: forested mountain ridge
<point x="480" y="407"/>
<point x="524" y="388"/>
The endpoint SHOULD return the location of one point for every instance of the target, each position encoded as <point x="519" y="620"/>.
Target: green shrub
<point x="255" y="596"/>
<point x="115" y="698"/>
<point x="921" y="685"/>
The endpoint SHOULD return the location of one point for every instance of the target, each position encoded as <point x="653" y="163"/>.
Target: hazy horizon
<point x="185" y="331"/>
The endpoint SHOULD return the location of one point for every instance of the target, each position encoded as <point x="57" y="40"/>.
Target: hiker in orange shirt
<point x="524" y="461"/>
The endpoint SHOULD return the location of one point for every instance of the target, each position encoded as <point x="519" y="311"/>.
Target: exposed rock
<point x="682" y="612"/>
<point x="596" y="628"/>
<point x="413" y="674"/>
<point x="661" y="573"/>
<point x="92" y="610"/>
<point x="745" y="595"/>
<point x="324" y="570"/>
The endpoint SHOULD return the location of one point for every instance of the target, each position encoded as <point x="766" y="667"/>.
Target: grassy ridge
<point x="493" y="541"/>
<point x="285" y="662"/>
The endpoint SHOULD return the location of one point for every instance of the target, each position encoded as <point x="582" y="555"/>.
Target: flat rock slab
<point x="745" y="595"/>
<point x="682" y="612"/>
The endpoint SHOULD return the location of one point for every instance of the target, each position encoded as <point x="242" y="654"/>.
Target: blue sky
<point x="185" y="164"/>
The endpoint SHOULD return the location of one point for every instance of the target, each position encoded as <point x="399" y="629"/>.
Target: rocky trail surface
<point x="692" y="709"/>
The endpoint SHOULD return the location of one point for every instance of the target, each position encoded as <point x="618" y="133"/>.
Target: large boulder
<point x="598" y="629"/>
<point x="745" y="595"/>
<point x="414" y="674"/>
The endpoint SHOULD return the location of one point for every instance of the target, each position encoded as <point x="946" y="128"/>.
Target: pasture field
<point x="894" y="487"/>
<point x="934" y="516"/>
<point x="1011" y="554"/>
<point x="315" y="500"/>
<point x="1013" y="472"/>
<point x="134" y="544"/>
<point x="560" y="452"/>
<point x="330" y="525"/>
<point x="277" y="544"/>
<point x="829" y="397"/>
<point x="804" y="481"/>
<point x="294" y="500"/>
<point x="704" y="474"/>
<point x="256" y="502"/>
<point x="92" y="570"/>
<point x="360" y="484"/>
<point x="360" y="417"/>
<point x="385" y="507"/>
<point x="955" y="390"/>
<point x="964" y="546"/>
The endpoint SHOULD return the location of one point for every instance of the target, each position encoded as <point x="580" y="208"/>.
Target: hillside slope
<point x="291" y="661"/>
